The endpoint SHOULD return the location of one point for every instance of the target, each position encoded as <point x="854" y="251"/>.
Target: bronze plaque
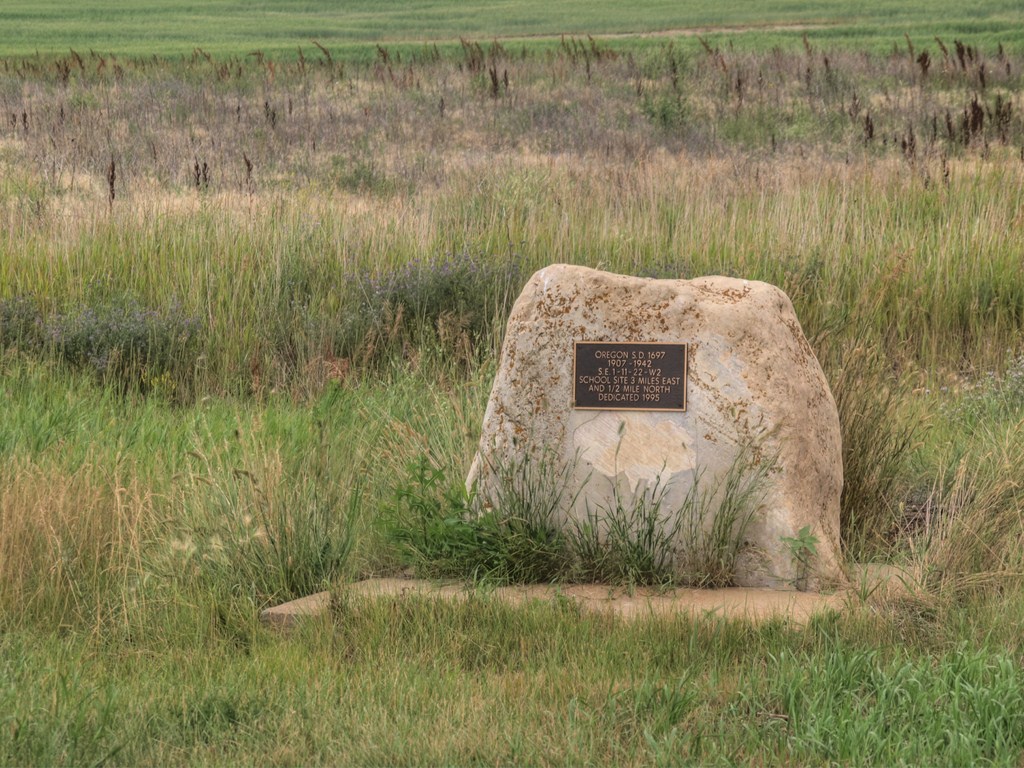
<point x="637" y="375"/>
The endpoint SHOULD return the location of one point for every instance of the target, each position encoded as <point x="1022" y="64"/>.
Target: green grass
<point x="415" y="682"/>
<point x="212" y="389"/>
<point x="232" y="497"/>
<point x="123" y="635"/>
<point x="170" y="27"/>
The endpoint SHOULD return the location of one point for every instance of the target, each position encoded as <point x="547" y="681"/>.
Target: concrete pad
<point x="753" y="604"/>
<point x="289" y="614"/>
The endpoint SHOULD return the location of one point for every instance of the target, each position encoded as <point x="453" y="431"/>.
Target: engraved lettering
<point x="630" y="375"/>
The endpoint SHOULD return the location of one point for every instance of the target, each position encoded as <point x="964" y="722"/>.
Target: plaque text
<point x="646" y="376"/>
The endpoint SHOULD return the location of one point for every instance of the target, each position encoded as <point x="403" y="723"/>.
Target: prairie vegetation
<point x="250" y="307"/>
<point x="230" y="27"/>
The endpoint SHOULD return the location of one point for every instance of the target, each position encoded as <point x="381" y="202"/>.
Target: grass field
<point x="170" y="27"/>
<point x="249" y="314"/>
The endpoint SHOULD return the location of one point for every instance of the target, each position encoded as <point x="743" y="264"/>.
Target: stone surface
<point x="756" y="394"/>
<point x="288" y="614"/>
<point x="737" y="603"/>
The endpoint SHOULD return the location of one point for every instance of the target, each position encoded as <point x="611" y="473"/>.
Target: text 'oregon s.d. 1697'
<point x="647" y="376"/>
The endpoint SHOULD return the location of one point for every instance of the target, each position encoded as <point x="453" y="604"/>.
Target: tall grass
<point x="447" y="198"/>
<point x="72" y="543"/>
<point x="302" y="277"/>
<point x="830" y="234"/>
<point x="291" y="258"/>
<point x="115" y="507"/>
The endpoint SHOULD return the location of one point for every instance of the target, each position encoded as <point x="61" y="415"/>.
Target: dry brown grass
<point x="973" y="521"/>
<point x="72" y="542"/>
<point x="396" y="125"/>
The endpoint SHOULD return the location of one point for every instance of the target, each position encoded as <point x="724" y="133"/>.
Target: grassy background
<point x="169" y="27"/>
<point x="240" y="297"/>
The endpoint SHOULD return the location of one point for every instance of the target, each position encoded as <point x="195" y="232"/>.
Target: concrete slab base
<point x="743" y="603"/>
<point x="288" y="614"/>
<point x="750" y="603"/>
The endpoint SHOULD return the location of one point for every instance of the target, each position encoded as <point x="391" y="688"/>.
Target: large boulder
<point x="758" y="440"/>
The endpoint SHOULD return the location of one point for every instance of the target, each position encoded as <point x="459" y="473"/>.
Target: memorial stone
<point x="631" y="388"/>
